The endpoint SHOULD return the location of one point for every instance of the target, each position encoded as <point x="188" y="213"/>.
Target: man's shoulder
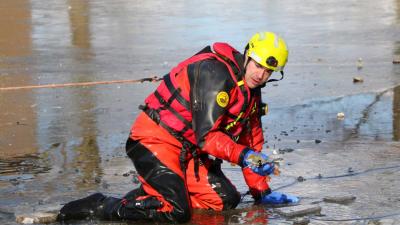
<point x="213" y="67"/>
<point x="211" y="71"/>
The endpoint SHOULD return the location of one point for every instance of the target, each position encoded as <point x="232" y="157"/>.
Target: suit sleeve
<point x="254" y="138"/>
<point x="207" y="79"/>
<point x="258" y="184"/>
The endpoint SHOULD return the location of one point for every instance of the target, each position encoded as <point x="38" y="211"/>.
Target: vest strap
<point x="167" y="106"/>
<point x="172" y="89"/>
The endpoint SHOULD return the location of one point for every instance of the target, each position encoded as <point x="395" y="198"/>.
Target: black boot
<point x="98" y="206"/>
<point x="85" y="208"/>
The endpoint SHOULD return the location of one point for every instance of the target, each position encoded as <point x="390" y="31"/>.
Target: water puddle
<point x="23" y="168"/>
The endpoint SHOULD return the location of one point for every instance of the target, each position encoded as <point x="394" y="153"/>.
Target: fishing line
<point x="355" y="219"/>
<point x="301" y="179"/>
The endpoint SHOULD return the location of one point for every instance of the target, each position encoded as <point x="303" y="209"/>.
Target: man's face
<point x="256" y="74"/>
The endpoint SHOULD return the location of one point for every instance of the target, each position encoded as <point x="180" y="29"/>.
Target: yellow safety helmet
<point x="269" y="50"/>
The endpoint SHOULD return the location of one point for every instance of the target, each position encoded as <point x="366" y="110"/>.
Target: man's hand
<point x="258" y="163"/>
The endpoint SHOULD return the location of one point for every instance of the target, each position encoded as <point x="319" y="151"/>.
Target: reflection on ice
<point x="373" y="116"/>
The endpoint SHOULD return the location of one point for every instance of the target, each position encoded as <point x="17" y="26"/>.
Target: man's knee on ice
<point x="232" y="200"/>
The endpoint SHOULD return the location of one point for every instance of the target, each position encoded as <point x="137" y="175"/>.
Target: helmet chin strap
<point x="273" y="80"/>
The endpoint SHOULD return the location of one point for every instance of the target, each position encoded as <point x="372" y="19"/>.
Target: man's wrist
<point x="258" y="194"/>
<point x="242" y="156"/>
<point x="266" y="192"/>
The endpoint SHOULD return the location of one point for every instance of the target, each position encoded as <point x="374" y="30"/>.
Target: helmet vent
<point x="276" y="41"/>
<point x="262" y="36"/>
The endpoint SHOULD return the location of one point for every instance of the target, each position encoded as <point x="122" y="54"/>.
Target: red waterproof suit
<point x="202" y="108"/>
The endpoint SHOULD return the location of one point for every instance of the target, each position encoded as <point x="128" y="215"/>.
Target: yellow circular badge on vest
<point x="222" y="99"/>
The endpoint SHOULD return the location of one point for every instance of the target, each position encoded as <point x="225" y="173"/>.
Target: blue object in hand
<point x="279" y="198"/>
<point x="258" y="162"/>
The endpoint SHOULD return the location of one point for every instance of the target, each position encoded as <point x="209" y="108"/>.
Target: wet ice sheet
<point x="370" y="116"/>
<point x="76" y="135"/>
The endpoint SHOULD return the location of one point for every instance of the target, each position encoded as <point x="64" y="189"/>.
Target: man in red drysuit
<point x="207" y="109"/>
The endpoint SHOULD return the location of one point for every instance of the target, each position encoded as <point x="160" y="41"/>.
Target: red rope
<point x="150" y="79"/>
